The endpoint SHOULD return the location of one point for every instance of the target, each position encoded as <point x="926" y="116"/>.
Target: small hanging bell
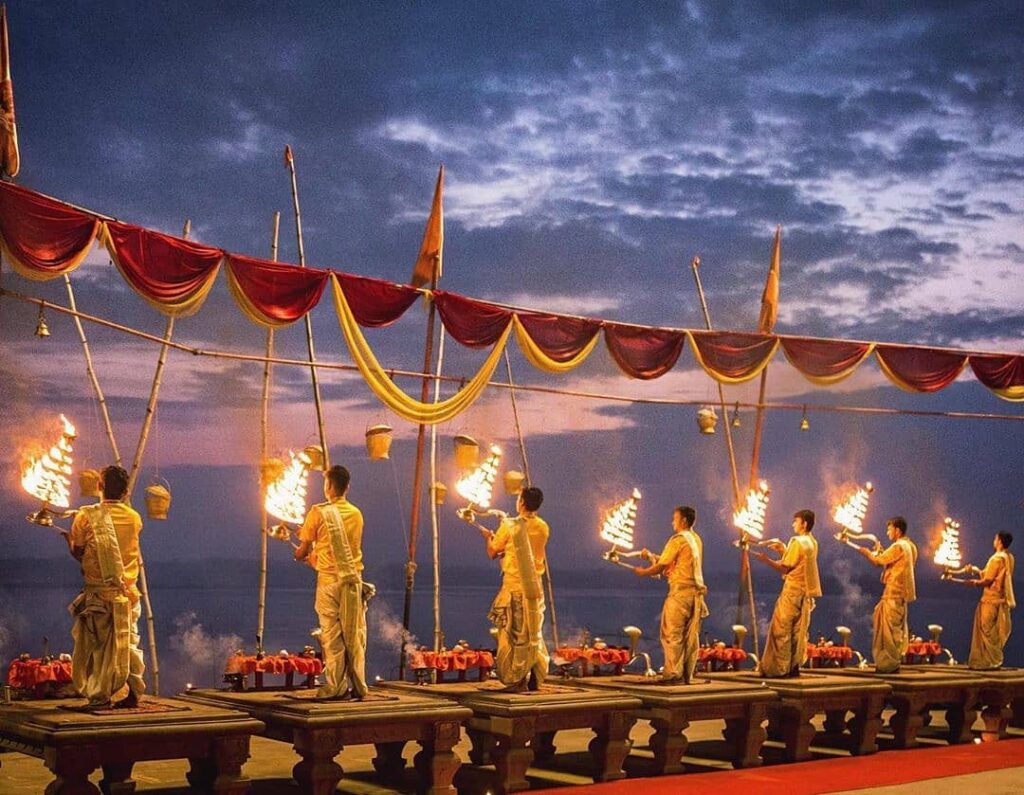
<point x="42" y="330"/>
<point x="805" y="424"/>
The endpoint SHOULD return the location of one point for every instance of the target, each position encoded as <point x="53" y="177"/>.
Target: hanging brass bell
<point x="42" y="330"/>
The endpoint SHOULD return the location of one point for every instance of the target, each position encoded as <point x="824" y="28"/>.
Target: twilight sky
<point x="591" y="150"/>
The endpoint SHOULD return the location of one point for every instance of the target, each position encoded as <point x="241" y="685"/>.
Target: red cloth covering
<point x="609" y="656"/>
<point x="924" y="648"/>
<point x="643" y="352"/>
<point x="843" y="653"/>
<point x="920" y="369"/>
<point x="824" y="360"/>
<point x="998" y="372"/>
<point x="475" y="324"/>
<point x="733" y="356"/>
<point x="169" y="272"/>
<point x="30" y="674"/>
<point x="275" y="294"/>
<point x="46" y="238"/>
<point x="375" y="302"/>
<point x="294" y="663"/>
<point x="561" y="337"/>
<point x="730" y="654"/>
<point x="452" y="660"/>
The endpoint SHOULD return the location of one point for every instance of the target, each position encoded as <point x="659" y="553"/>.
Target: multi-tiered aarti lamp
<point x="849" y="515"/>
<point x="48" y="478"/>
<point x="949" y="555"/>
<point x="286" y="497"/>
<point x="477" y="488"/>
<point x="617" y="530"/>
<point x="750" y="518"/>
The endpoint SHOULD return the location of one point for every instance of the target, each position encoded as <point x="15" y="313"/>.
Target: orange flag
<point x="288" y="159"/>
<point x="770" y="296"/>
<point x="427" y="269"/>
<point x="10" y="161"/>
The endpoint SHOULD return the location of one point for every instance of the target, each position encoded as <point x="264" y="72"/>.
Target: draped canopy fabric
<point x="1004" y="375"/>
<point x="642" y="352"/>
<point x="43" y="238"/>
<point x="375" y="302"/>
<point x="475" y="324"/>
<point x="733" y="357"/>
<point x="825" y="362"/>
<point x="273" y="294"/>
<point x="920" y="369"/>
<point x="555" y="343"/>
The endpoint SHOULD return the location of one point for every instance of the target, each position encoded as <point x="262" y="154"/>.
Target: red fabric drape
<point x="560" y="337"/>
<point x="999" y="372"/>
<point x="733" y="356"/>
<point x="273" y="293"/>
<point x="475" y="324"/>
<point x="172" y="274"/>
<point x="643" y="352"/>
<point x="824" y="361"/>
<point x="375" y="302"/>
<point x="45" y="238"/>
<point x="920" y="369"/>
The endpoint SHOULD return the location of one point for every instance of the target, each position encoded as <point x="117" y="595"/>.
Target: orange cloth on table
<point x="294" y="663"/>
<point x="452" y="660"/>
<point x="924" y="648"/>
<point x="595" y="656"/>
<point x="730" y="654"/>
<point x="27" y="674"/>
<point x="830" y="652"/>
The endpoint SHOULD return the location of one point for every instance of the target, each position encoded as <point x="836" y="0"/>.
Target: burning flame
<point x="620" y="521"/>
<point x="948" y="553"/>
<point x="286" y="496"/>
<point x="850" y="514"/>
<point x="478" y="485"/>
<point x="48" y="478"/>
<point x="750" y="518"/>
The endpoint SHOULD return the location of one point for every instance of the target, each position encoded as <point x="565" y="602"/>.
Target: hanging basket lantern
<point x="378" y="442"/>
<point x="438" y="491"/>
<point x="89" y="483"/>
<point x="707" y="420"/>
<point x="315" y="454"/>
<point x="466" y="451"/>
<point x="270" y="470"/>
<point x="514" y="481"/>
<point x="158" y="501"/>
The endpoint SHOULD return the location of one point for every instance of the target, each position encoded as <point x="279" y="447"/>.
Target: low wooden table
<point x="810" y="694"/>
<point x="917" y="689"/>
<point x="513" y="729"/>
<point x="1001" y="696"/>
<point x="671" y="708"/>
<point x="319" y="730"/>
<point x="73" y="744"/>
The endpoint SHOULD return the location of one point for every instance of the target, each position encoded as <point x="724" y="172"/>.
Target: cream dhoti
<point x="891" y="635"/>
<point x="992" y="618"/>
<point x="681" y="617"/>
<point x="786" y="644"/>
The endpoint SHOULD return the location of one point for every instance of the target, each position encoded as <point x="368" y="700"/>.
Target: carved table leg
<point x="835" y="721"/>
<point x="543" y="745"/>
<point x="71" y="768"/>
<point x="318" y="773"/>
<point x="117" y="779"/>
<point x="864" y="726"/>
<point x="997" y="718"/>
<point x="611" y="745"/>
<point x="436" y="762"/>
<point x="669" y="744"/>
<point x="389" y="760"/>
<point x="907" y="721"/>
<point x="482" y="747"/>
<point x="747" y="735"/>
<point x="960" y="718"/>
<point x="775" y="726"/>
<point x="797" y="733"/>
<point x="221" y="771"/>
<point x="512" y="757"/>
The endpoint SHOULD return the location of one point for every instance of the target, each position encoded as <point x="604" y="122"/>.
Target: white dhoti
<point x="991" y="631"/>
<point x="890" y="637"/>
<point x="342" y="613"/>
<point x="786" y="644"/>
<point x="107" y="663"/>
<point x="681" y="617"/>
<point x="521" y="647"/>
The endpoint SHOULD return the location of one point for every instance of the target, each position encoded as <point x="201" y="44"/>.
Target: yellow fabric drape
<point x="725" y="379"/>
<point x="1015" y="394"/>
<point x="828" y="380"/>
<point x="72" y="263"/>
<point x="389" y="393"/>
<point x="535" y="356"/>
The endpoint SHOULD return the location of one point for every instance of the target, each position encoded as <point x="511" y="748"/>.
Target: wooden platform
<point x="74" y="744"/>
<point x="513" y="729"/>
<point x="319" y="730"/>
<point x="813" y="693"/>
<point x="1001" y="696"/>
<point x="671" y="708"/>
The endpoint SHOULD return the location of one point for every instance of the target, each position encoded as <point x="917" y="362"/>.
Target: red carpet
<point x="827" y="775"/>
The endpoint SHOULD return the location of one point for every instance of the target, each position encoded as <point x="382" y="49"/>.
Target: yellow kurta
<point x="518" y="609"/>
<point x="992" y="616"/>
<point x="891" y="635"/>
<point x="786" y="644"/>
<point x="107" y="662"/>
<point x="339" y="600"/>
<point x="684" y="606"/>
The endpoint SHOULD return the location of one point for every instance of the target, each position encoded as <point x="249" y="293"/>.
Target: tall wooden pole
<point x="758" y="428"/>
<point x="261" y="610"/>
<point x="290" y="162"/>
<point x="417" y="481"/>
<point x="435" y="530"/>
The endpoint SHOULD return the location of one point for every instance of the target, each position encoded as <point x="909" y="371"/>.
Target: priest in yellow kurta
<point x="786" y="644"/>
<point x="518" y="609"/>
<point x="682" y="562"/>
<point x="891" y="635"/>
<point x="107" y="664"/>
<point x="992" y="617"/>
<point x="333" y="534"/>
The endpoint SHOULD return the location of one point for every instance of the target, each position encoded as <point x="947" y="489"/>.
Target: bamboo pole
<point x="290" y="162"/>
<point x="434" y="523"/>
<point x="261" y="609"/>
<point x="548" y="583"/>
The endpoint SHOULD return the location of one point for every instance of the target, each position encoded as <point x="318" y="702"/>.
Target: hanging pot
<point x="378" y="442"/>
<point x="315" y="454"/>
<point x="707" y="419"/>
<point x="438" y="491"/>
<point x="514" y="481"/>
<point x="89" y="483"/>
<point x="158" y="501"/>
<point x="270" y="470"/>
<point x="466" y="451"/>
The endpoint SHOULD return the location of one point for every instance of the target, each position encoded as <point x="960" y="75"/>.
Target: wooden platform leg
<point x="543" y="745"/>
<point x="611" y="745"/>
<point x="669" y="744"/>
<point x="71" y="768"/>
<point x="865" y="724"/>
<point x="389" y="760"/>
<point x="997" y="718"/>
<point x="747" y="735"/>
<point x="117" y="779"/>
<point x="835" y="721"/>
<point x="436" y="762"/>
<point x="907" y="721"/>
<point x="318" y="773"/>
<point x="481" y="750"/>
<point x="797" y="733"/>
<point x="221" y="771"/>
<point x="960" y="718"/>
<point x="512" y="756"/>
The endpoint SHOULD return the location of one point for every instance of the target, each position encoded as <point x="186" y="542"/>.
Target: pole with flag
<point x="426" y="270"/>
